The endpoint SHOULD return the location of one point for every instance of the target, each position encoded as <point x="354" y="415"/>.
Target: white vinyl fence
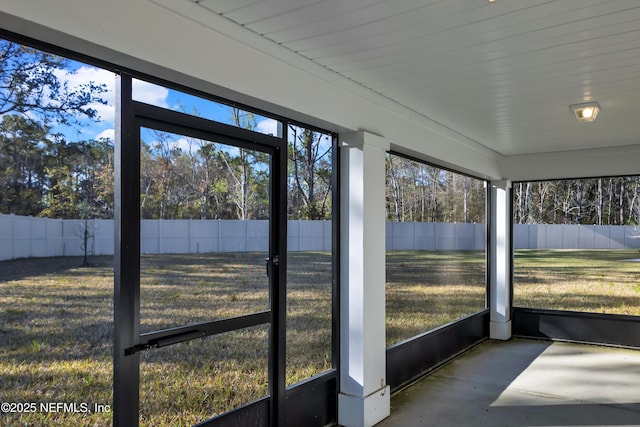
<point x="553" y="236"/>
<point x="27" y="237"/>
<point x="402" y="236"/>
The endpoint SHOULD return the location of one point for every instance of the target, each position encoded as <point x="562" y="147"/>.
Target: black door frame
<point x="312" y="402"/>
<point x="128" y="342"/>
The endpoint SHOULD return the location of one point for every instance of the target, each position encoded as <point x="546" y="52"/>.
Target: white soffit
<point x="502" y="74"/>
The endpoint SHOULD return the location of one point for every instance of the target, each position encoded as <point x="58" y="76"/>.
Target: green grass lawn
<point x="56" y="321"/>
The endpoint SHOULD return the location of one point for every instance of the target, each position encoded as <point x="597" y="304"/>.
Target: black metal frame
<point x="591" y="328"/>
<point x="411" y="359"/>
<point x="302" y="401"/>
<point x="128" y="341"/>
<point x="314" y="401"/>
<point x="253" y="414"/>
<point x="299" y="400"/>
<point x="126" y="258"/>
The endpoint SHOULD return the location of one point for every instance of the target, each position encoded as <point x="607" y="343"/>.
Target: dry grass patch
<point x="597" y="281"/>
<point x="56" y="321"/>
<point x="427" y="289"/>
<point x="309" y="299"/>
<point x="56" y="328"/>
<point x="178" y="290"/>
<point x="56" y="332"/>
<point x="190" y="382"/>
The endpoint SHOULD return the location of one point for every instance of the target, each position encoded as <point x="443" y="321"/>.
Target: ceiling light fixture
<point x="586" y="112"/>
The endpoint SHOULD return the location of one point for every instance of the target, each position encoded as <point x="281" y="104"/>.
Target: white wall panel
<point x="632" y="236"/>
<point x="570" y="237"/>
<point x="465" y="237"/>
<point x="520" y="236"/>
<point x="21" y="237"/>
<point x="174" y="236"/>
<point x="601" y="237"/>
<point x="104" y="233"/>
<point x="6" y="237"/>
<point x="553" y="234"/>
<point x="446" y="237"/>
<point x="587" y="237"/>
<point x="257" y="236"/>
<point x="425" y="236"/>
<point x="233" y="236"/>
<point x="204" y="236"/>
<point x="6" y="227"/>
<point x="617" y="237"/>
<point x="480" y="236"/>
<point x="38" y="228"/>
<point x="72" y="233"/>
<point x="327" y="235"/>
<point x="54" y="240"/>
<point x="388" y="232"/>
<point x="21" y="227"/>
<point x="403" y="236"/>
<point x="293" y="235"/>
<point x="313" y="231"/>
<point x="150" y="236"/>
<point x="538" y="236"/>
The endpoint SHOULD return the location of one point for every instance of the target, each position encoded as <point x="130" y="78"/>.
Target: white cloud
<point x="107" y="133"/>
<point x="181" y="143"/>
<point x="268" y="126"/>
<point x="142" y="91"/>
<point x="150" y="93"/>
<point x="86" y="74"/>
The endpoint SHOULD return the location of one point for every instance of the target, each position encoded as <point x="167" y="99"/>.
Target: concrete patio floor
<point x="526" y="383"/>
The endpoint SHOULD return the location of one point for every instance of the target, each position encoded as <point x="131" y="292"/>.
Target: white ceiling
<point x="502" y="74"/>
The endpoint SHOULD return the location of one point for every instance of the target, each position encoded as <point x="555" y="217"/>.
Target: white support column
<point x="500" y="254"/>
<point x="364" y="398"/>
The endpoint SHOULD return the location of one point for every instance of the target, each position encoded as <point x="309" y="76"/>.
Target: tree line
<point x="47" y="176"/>
<point x="42" y="173"/>
<point x="423" y="193"/>
<point x="50" y="177"/>
<point x="599" y="201"/>
<point x="420" y="192"/>
<point x="193" y="178"/>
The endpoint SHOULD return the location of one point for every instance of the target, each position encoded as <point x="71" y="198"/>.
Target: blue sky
<point x="78" y="73"/>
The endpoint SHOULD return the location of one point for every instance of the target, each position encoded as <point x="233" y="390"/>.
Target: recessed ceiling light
<point x="586" y="112"/>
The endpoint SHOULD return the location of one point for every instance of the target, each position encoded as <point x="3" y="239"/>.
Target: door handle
<point x="274" y="261"/>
